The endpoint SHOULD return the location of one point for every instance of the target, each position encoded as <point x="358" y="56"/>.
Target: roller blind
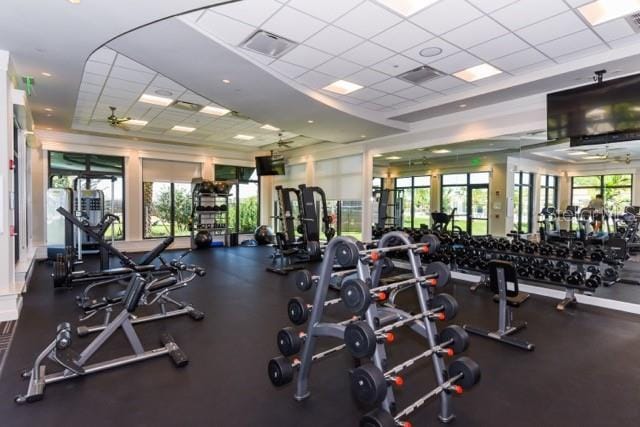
<point x="295" y="175"/>
<point x="340" y="178"/>
<point x="169" y="171"/>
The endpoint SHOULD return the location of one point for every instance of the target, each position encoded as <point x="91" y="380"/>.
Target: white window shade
<point x="169" y="171"/>
<point x="295" y="175"/>
<point x="340" y="178"/>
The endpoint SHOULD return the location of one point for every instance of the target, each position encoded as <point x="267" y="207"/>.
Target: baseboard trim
<point x="10" y="306"/>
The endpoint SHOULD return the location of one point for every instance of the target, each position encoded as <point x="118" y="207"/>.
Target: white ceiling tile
<point x="476" y="32"/>
<point x="372" y="106"/>
<point x="574" y="42"/>
<point x="445" y="16"/>
<point x="395" y="65"/>
<point x="338" y="67"/>
<point x="402" y="36"/>
<point x="124" y="94"/>
<point x="518" y="60"/>
<point x="367" y="54"/>
<point x="289" y="70"/>
<point x="367" y="77"/>
<point x="405" y="104"/>
<point x="625" y="41"/>
<point x="527" y="12"/>
<point x="294" y="25"/>
<point x="392" y="85"/>
<point x="163" y="82"/>
<point x="389" y="100"/>
<point x="499" y="47"/>
<point x="444" y="83"/>
<point x="124" y="85"/>
<point x="430" y="97"/>
<point x="104" y="55"/>
<point x="367" y="94"/>
<point x="124" y="62"/>
<point x="315" y="80"/>
<point x="226" y="29"/>
<point x="95" y="79"/>
<point x="582" y="53"/>
<point x="327" y="10"/>
<point x="552" y="28"/>
<point x="89" y="88"/>
<point x="193" y="16"/>
<point x="532" y="67"/>
<point x="258" y="57"/>
<point x="414" y="92"/>
<point x="305" y="56"/>
<point x="447" y="50"/>
<point x="614" y="30"/>
<point x="97" y="68"/>
<point x="488" y="6"/>
<point x="334" y="40"/>
<point x="252" y="12"/>
<point x="367" y="20"/>
<point x="456" y="62"/>
<point x="577" y="3"/>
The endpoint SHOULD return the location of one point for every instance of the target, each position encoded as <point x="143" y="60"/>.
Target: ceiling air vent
<point x="187" y="106"/>
<point x="268" y="44"/>
<point x="421" y="74"/>
<point x="634" y="21"/>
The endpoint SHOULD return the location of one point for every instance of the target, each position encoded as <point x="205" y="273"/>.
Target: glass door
<point x="479" y="212"/>
<point x="456" y="197"/>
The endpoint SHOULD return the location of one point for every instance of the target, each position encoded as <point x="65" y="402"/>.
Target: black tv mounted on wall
<point x="269" y="165"/>
<point x="600" y="113"/>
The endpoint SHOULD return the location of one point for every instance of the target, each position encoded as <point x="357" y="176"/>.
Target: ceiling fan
<point x="285" y="144"/>
<point x="116" y="121"/>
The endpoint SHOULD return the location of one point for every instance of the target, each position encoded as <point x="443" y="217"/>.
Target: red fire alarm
<point x="12" y="230"/>
<point x="12" y="164"/>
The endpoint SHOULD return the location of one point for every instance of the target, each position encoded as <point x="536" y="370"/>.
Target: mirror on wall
<point x="576" y="204"/>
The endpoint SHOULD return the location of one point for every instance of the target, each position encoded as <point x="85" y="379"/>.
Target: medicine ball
<point x="264" y="235"/>
<point x="202" y="239"/>
<point x="206" y="187"/>
<point x="220" y="187"/>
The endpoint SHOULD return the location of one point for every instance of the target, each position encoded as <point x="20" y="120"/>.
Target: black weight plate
<point x="378" y="418"/>
<point x="313" y="249"/>
<point x="355" y="296"/>
<point x="459" y="336"/>
<point x="442" y="270"/>
<point x="289" y="342"/>
<point x="297" y="311"/>
<point x="347" y="255"/>
<point x="432" y="241"/>
<point x="303" y="280"/>
<point x="360" y="339"/>
<point x="280" y="371"/>
<point x="448" y="304"/>
<point x="468" y="368"/>
<point x="387" y="265"/>
<point x="368" y="385"/>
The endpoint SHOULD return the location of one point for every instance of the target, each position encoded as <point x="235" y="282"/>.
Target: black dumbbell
<point x="576" y="279"/>
<point x="593" y="281"/>
<point x="579" y="253"/>
<point x="597" y="255"/>
<point x="556" y="276"/>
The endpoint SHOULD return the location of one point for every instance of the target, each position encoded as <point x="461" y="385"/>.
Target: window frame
<point x="545" y="187"/>
<point x="238" y="180"/>
<point x="469" y="186"/>
<point x="172" y="210"/>
<point x="411" y="189"/>
<point x="517" y="222"/>
<point x="601" y="189"/>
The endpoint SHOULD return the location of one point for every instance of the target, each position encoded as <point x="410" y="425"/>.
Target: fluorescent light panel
<point x="244" y="137"/>
<point x="269" y="127"/>
<point x="441" y="151"/>
<point x="183" y="128"/>
<point x="136" y="122"/>
<point x="215" y="111"/>
<point x="156" y="100"/>
<point x="576" y="153"/>
<point x="407" y="7"/>
<point x="394" y="158"/>
<point x="377" y="155"/>
<point x="601" y="11"/>
<point x="594" y="157"/>
<point x="478" y="72"/>
<point x="342" y="87"/>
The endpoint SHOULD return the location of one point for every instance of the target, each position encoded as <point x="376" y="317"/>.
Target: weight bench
<point x="501" y="273"/>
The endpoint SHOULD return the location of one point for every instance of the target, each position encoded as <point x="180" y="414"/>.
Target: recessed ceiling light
<point x="244" y="137"/>
<point x="342" y="87"/>
<point x="183" y="128"/>
<point x="135" y="122"/>
<point x="406" y="7"/>
<point x="440" y="151"/>
<point x="363" y="136"/>
<point x="478" y="72"/>
<point x="463" y="105"/>
<point x="269" y="127"/>
<point x="155" y="100"/>
<point x="601" y="11"/>
<point x="576" y="153"/>
<point x="48" y="109"/>
<point x="74" y="1"/>
<point x="48" y="128"/>
<point x="394" y="158"/>
<point x="163" y="92"/>
<point x="44" y="73"/>
<point x="216" y="111"/>
<point x="377" y="155"/>
<point x="594" y="157"/>
<point x="225" y="81"/>
<point x="428" y="52"/>
<point x="28" y="132"/>
<point x="310" y="122"/>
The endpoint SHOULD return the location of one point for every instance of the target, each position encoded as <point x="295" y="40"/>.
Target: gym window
<point x="416" y="201"/>
<point x="347" y="217"/>
<point x="376" y="183"/>
<point x="468" y="194"/>
<point x="615" y="189"/>
<point x="244" y="206"/>
<point x="522" y="201"/>
<point x="65" y="167"/>
<point x="548" y="191"/>
<point x="166" y="208"/>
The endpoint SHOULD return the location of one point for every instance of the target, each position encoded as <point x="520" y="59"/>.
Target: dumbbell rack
<point x="216" y="222"/>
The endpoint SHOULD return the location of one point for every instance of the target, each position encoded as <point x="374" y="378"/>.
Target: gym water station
<point x="285" y="213"/>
